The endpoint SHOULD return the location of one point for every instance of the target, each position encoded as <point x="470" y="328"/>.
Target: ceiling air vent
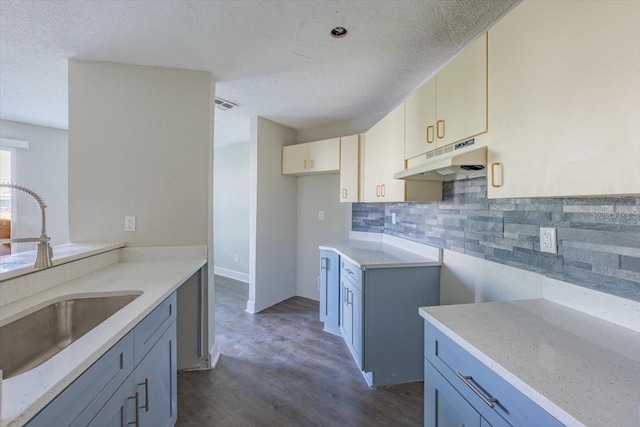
<point x="223" y="105"/>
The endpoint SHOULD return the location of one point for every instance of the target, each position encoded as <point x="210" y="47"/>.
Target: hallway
<point x="278" y="368"/>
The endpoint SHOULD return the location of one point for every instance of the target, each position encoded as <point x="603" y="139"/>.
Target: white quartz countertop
<point x="23" y="396"/>
<point x="369" y="254"/>
<point x="580" y="369"/>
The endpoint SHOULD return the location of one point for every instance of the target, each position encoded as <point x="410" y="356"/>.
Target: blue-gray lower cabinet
<point x="380" y="321"/>
<point x="148" y="397"/>
<point x="139" y="369"/>
<point x="456" y="379"/>
<point x="329" y="289"/>
<point x="444" y="406"/>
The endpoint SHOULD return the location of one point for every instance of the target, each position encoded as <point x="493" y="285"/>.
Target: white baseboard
<point x="231" y="274"/>
<point x="251" y="307"/>
<point x="214" y="354"/>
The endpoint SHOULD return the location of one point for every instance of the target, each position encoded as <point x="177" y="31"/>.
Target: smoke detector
<point x="223" y="105"/>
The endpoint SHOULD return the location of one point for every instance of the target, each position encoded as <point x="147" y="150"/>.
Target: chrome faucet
<point x="44" y="252"/>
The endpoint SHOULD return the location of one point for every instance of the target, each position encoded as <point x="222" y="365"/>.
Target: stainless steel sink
<point x="33" y="339"/>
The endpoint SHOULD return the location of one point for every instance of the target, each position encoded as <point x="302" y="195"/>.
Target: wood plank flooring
<point x="278" y="368"/>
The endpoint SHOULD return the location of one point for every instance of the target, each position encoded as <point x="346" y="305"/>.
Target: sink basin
<point x="33" y="339"/>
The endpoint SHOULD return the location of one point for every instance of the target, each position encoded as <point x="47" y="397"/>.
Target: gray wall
<point x="43" y="168"/>
<point x="272" y="219"/>
<point x="139" y="142"/>
<point x="231" y="210"/>
<point x="598" y="238"/>
<point x="318" y="193"/>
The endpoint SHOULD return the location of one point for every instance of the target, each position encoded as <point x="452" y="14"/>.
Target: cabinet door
<point x="346" y="311"/>
<point x="330" y="291"/>
<point x="349" y="168"/>
<point x="420" y="120"/>
<point x="357" y="326"/>
<point x="324" y="156"/>
<point x="563" y="100"/>
<point x="156" y="383"/>
<point x="120" y="410"/>
<point x="443" y="405"/>
<point x="462" y="95"/>
<point x="295" y="159"/>
<point x="384" y="156"/>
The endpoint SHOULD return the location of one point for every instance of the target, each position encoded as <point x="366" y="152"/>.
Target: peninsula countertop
<point x="372" y="254"/>
<point x="580" y="369"/>
<point x="24" y="395"/>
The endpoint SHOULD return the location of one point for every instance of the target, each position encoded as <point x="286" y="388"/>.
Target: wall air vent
<point x="223" y="105"/>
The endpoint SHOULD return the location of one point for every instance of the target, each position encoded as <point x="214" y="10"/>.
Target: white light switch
<point x="321" y="215"/>
<point x="393" y="217"/>
<point x="548" y="240"/>
<point x="129" y="223"/>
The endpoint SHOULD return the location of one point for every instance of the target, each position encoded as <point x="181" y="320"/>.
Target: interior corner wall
<point x="272" y="219"/>
<point x="231" y="214"/>
<point x="139" y="140"/>
<point x="318" y="193"/>
<point x="42" y="167"/>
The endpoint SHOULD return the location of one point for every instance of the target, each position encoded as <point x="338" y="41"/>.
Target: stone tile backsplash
<point x="598" y="238"/>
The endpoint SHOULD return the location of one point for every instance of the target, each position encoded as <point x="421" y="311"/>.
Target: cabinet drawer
<point x="149" y="331"/>
<point x="77" y="404"/>
<point x="351" y="272"/>
<point x="467" y="373"/>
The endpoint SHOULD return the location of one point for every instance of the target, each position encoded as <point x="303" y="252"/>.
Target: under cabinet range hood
<point x="458" y="162"/>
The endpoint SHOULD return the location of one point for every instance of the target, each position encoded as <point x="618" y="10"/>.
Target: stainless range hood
<point x="460" y="163"/>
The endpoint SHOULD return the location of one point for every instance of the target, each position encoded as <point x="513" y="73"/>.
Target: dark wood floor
<point x="278" y="368"/>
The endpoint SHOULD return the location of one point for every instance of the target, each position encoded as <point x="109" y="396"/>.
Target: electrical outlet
<point x="393" y="217"/>
<point x="321" y="215"/>
<point x="129" y="223"/>
<point x="548" y="240"/>
<point x="236" y="258"/>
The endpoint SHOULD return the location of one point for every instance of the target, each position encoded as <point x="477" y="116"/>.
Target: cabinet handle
<point x="146" y="394"/>
<point x="305" y="165"/>
<point x="496" y="183"/>
<point x="430" y="132"/>
<point x="439" y="127"/>
<point x="344" y="193"/>
<point x="490" y="401"/>
<point x="136" y="397"/>
<point x="383" y="192"/>
<point x="377" y="191"/>
<point x="311" y="163"/>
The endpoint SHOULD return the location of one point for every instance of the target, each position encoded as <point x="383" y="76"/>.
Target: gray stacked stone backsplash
<point x="598" y="238"/>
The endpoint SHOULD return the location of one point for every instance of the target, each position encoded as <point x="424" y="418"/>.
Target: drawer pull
<point x="136" y="397"/>
<point x="145" y="383"/>
<point x="490" y="401"/>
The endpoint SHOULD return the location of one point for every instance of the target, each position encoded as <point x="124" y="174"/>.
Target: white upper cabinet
<point x="324" y="156"/>
<point x="461" y="93"/>
<point x="349" y="168"/>
<point x="450" y="107"/>
<point x="384" y="156"/>
<point x="420" y="120"/>
<point x="311" y="157"/>
<point x="564" y="100"/>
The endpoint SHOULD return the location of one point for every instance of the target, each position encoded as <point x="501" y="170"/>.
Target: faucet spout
<point x="44" y="253"/>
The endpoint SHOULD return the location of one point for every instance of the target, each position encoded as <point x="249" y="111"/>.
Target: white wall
<point x="318" y="193"/>
<point x="272" y="247"/>
<point x="138" y="145"/>
<point x="141" y="143"/>
<point x="231" y="210"/>
<point x="43" y="168"/>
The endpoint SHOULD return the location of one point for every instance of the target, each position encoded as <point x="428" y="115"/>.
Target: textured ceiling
<point x="273" y="58"/>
